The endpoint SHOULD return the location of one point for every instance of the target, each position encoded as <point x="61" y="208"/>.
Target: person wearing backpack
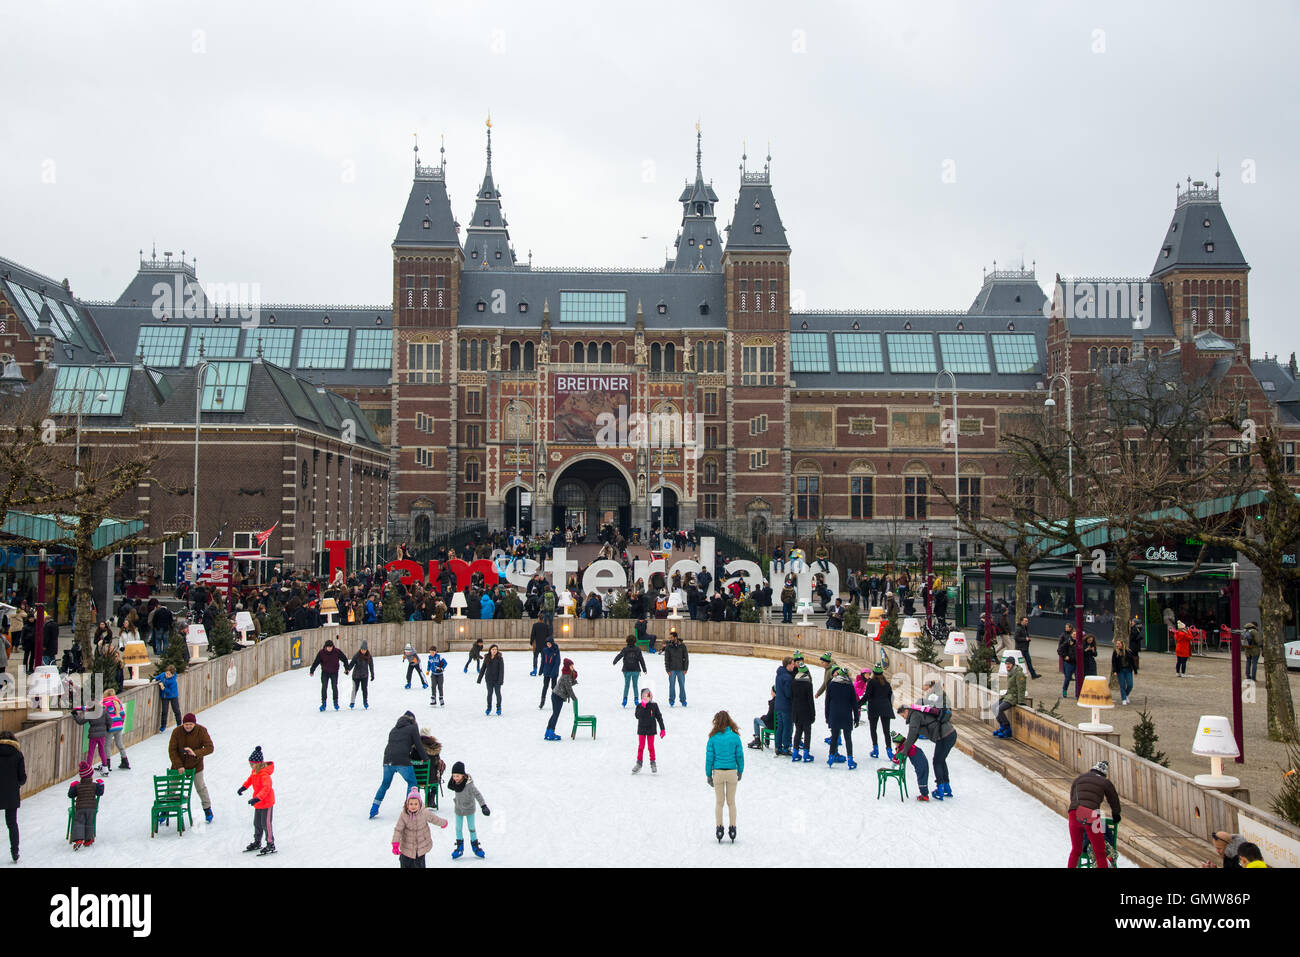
<point x="1065" y="650"/>
<point x="1252" y="646"/>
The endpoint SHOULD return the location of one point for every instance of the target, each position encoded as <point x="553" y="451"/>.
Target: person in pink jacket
<point x="412" y="838"/>
<point x="116" y="711"/>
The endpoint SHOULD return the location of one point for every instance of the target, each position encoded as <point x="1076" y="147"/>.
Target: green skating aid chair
<point x="767" y="735"/>
<point x="582" y="721"/>
<point x="899" y="774"/>
<point x="427" y="779"/>
<point x="72" y="810"/>
<point x="171" y="798"/>
<point x="1086" y="858"/>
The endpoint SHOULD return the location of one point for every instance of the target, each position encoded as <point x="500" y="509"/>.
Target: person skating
<point x="170" y="696"/>
<point x="189" y="744"/>
<point x="475" y="657"/>
<point x="362" y="667"/>
<point x="116" y="711"/>
<point x="724" y="764"/>
<point x="563" y="692"/>
<point x="878" y="696"/>
<point x="1013" y="696"/>
<point x="404" y="737"/>
<point x="493" y="673"/>
<point x="329" y="659"/>
<point x="412" y="659"/>
<point x="262" y="801"/>
<point x="919" y="764"/>
<point x="465" y="796"/>
<point x="840" y="701"/>
<point x="437" y="666"/>
<point x="782" y="705"/>
<point x="828" y="670"/>
<point x="412" y="838"/>
<point x="85" y="792"/>
<point x="803" y="710"/>
<point x="1086" y="794"/>
<point x="97" y="735"/>
<point x="647" y="715"/>
<point x="633" y="666"/>
<point x="935" y="722"/>
<point x="550" y="668"/>
<point x="13" y="775"/>
<point x="767" y="721"/>
<point x="677" y="661"/>
<point x="537" y="636"/>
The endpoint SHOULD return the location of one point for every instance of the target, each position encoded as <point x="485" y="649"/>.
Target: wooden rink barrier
<point x="1044" y="755"/>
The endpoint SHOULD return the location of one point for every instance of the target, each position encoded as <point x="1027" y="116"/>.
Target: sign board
<point x="657" y="499"/>
<point x="1280" y="850"/>
<point x="295" y="651"/>
<point x="1041" y="734"/>
<point x="244" y="622"/>
<point x="525" y="499"/>
<point x="232" y="675"/>
<point x="581" y="400"/>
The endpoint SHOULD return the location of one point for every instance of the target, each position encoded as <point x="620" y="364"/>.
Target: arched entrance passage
<point x="589" y="494"/>
<point x="514" y="509"/>
<point x="665" y="514"/>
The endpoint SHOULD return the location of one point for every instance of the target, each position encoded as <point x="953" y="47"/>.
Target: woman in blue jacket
<point x="724" y="763"/>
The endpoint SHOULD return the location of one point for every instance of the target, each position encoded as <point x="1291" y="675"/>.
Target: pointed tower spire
<point x="489" y="144"/>
<point x="699" y="248"/>
<point x="487" y="241"/>
<point x="699" y="150"/>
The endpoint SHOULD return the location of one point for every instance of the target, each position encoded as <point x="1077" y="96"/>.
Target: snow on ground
<point x="569" y="803"/>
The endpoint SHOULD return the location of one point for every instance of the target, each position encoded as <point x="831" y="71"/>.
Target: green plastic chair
<point x="171" y="798"/>
<point x="1086" y="859"/>
<point x="72" y="810"/>
<point x="767" y="735"/>
<point x="899" y="774"/>
<point x="427" y="781"/>
<point x="581" y="721"/>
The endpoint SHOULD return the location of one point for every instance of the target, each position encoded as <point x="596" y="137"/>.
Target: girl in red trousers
<point x="647" y="715"/>
<point x="263" y="801"/>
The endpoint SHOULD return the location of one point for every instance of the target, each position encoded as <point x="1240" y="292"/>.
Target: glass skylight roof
<point x="323" y="349"/>
<point x="83" y="385"/>
<point x="1015" y="352"/>
<point x="809" y="352"/>
<point x="373" y="349"/>
<point x="219" y="342"/>
<point x="225" y="387"/>
<point x="276" y="342"/>
<point x="161" y="345"/>
<point x="964" y="351"/>
<point x="858" y="352"/>
<point x="911" y="352"/>
<point x="593" y="308"/>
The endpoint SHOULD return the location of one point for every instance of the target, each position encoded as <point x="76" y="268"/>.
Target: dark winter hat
<point x="189" y="719"/>
<point x="256" y="756"/>
<point x="84" y="769"/>
<point x="1102" y="768"/>
<point x="365" y="645"/>
<point x="458" y="767"/>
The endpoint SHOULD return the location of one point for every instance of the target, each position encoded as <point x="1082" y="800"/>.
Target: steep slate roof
<point x="1115" y="303"/>
<point x="925" y="323"/>
<point x="1009" y="292"/>
<point x="681" y="293"/>
<point x="1184" y="244"/>
<point x="429" y="203"/>
<point x="756" y="207"/>
<point x="487" y="241"/>
<point x="275" y="397"/>
<point x="699" y="247"/>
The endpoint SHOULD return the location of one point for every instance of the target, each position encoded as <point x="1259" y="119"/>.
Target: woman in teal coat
<point x="724" y="763"/>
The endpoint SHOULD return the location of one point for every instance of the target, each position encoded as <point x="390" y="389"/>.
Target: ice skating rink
<point x="569" y="803"/>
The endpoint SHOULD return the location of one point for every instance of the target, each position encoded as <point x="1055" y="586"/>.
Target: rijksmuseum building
<point x="495" y="389"/>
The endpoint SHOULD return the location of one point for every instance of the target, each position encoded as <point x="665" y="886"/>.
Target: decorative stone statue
<point x="494" y="362"/>
<point x="641" y="357"/>
<point x="689" y="364"/>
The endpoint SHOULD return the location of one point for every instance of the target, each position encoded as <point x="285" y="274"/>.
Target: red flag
<point x="263" y="536"/>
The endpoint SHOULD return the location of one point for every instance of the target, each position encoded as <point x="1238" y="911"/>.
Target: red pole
<point x="40" y="610"/>
<point x="988" y="602"/>
<point x="1234" y="632"/>
<point x="1078" y="629"/>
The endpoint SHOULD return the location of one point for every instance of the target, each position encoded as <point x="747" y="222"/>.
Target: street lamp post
<point x="1069" y="421"/>
<point x="956" y="463"/>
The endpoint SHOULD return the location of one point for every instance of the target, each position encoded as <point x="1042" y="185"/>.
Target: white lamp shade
<point x="458" y="600"/>
<point x="911" y="628"/>
<point x="44" y="682"/>
<point x="956" y="644"/>
<point x="1214" y="738"/>
<point x="196" y="635"/>
<point x="244" y="621"/>
<point x="876" y="613"/>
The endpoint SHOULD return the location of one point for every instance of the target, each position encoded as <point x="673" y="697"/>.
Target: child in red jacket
<point x="263" y="801"/>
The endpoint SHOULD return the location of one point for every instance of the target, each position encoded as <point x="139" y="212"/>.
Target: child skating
<point x="86" y="792"/>
<point x="437" y="665"/>
<point x="466" y="796"/>
<point x="263" y="801"/>
<point x="412" y="659"/>
<point x="647" y="715"/>
<point x="412" y="838"/>
<point x="97" y="735"/>
<point x="475" y="657"/>
<point x="116" y="712"/>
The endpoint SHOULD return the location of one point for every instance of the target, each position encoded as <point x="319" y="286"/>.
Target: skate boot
<point x="625" y="702"/>
<point x="498" y="712"/>
<point x="852" y="764"/>
<point x="796" y="759"/>
<point x="352" y="705"/>
<point x="838" y="758"/>
<point x="731" y="833"/>
<point x="875" y="751"/>
<point x="374" y="811"/>
<point x="77" y="845"/>
<point x="408" y="686"/>
<point x="756" y="744"/>
<point x="459" y="852"/>
<point x="478" y="851"/>
<point x="269" y="849"/>
<point x="806" y="755"/>
<point x="923" y="797"/>
<point x="487" y="711"/>
<point x="322" y="707"/>
<point x="124" y="764"/>
<point x="654" y="768"/>
<point x="719" y="833"/>
<point x="830" y="760"/>
<point x="255" y="846"/>
<point x="207" y="814"/>
<point x="636" y="768"/>
<point x="336" y="706"/>
<point x="533" y="673"/>
<point x="947" y="789"/>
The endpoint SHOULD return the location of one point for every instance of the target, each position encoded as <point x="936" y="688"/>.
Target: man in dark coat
<point x="1022" y="643"/>
<point x="537" y="636"/>
<point x="782" y="705"/>
<point x="397" y="757"/>
<point x="840" y="705"/>
<point x="189" y="744"/>
<point x="162" y="628"/>
<point x="550" y="669"/>
<point x="329" y="659"/>
<point x="677" y="661"/>
<point x="1086" y="794"/>
<point x="803" y="711"/>
<point x="50" y="640"/>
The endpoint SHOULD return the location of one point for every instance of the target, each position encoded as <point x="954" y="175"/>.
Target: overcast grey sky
<point x="273" y="140"/>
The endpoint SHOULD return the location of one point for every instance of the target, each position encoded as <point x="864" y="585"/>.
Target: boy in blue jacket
<point x="437" y="664"/>
<point x="170" y="696"/>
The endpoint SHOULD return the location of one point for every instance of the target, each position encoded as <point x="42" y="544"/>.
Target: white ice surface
<point x="573" y="802"/>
